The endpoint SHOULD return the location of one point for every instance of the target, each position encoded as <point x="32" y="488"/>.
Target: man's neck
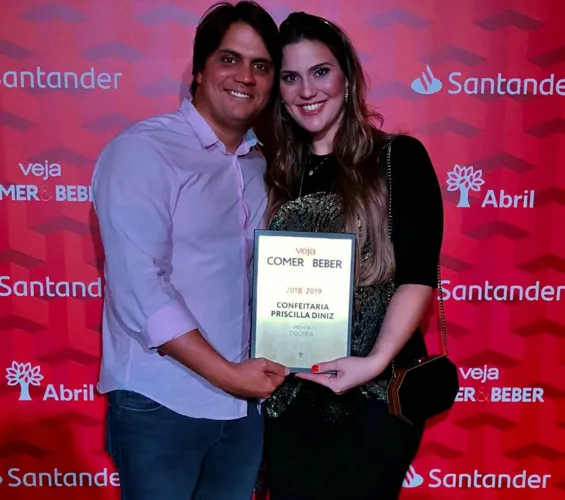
<point x="230" y="136"/>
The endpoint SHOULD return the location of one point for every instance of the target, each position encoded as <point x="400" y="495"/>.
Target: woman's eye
<point x="289" y="78"/>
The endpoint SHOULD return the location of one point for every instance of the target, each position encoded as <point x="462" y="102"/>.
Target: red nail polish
<point x="315" y="368"/>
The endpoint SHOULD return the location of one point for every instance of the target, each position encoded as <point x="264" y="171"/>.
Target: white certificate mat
<point x="302" y="297"/>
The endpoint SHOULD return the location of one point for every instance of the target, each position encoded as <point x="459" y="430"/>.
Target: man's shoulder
<point x="159" y="131"/>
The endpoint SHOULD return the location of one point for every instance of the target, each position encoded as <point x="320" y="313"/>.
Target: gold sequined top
<point x="320" y="212"/>
<point x="417" y="233"/>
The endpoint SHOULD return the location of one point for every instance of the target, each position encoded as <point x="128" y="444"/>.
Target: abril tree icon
<point x="24" y="375"/>
<point x="464" y="179"/>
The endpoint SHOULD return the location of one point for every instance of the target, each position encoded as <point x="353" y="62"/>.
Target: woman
<point x="330" y="437"/>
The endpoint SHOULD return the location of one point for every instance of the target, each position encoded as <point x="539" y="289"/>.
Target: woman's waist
<point x="317" y="403"/>
<point x="313" y="404"/>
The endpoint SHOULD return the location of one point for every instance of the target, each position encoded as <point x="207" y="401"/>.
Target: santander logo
<point x="437" y="478"/>
<point x="412" y="479"/>
<point x="426" y="83"/>
<point x="457" y="83"/>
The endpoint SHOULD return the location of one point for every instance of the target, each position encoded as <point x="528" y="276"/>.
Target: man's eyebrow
<point x="234" y="53"/>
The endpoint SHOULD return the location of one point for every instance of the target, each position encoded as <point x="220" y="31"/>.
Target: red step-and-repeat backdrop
<point x="481" y="83"/>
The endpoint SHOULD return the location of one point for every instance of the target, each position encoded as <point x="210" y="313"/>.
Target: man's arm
<point x="256" y="378"/>
<point x="134" y="190"/>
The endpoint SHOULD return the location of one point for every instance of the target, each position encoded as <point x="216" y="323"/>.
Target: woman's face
<point x="312" y="86"/>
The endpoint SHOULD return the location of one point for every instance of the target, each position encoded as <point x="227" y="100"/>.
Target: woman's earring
<point x="346" y="94"/>
<point x="282" y="111"/>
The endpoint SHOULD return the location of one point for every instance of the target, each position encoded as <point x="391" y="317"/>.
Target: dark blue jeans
<point x="161" y="455"/>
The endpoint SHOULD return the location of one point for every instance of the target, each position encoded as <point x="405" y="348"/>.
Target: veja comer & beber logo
<point x="498" y="392"/>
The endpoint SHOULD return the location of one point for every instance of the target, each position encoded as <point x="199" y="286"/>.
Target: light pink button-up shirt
<point x="177" y="215"/>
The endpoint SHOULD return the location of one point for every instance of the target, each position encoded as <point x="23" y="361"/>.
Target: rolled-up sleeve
<point x="134" y="192"/>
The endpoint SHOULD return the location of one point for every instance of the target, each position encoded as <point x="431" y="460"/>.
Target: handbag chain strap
<point x="390" y="291"/>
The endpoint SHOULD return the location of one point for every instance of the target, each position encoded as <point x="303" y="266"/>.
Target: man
<point x="178" y="198"/>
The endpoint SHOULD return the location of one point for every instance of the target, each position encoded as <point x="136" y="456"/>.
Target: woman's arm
<point x="403" y="316"/>
<point x="417" y="233"/>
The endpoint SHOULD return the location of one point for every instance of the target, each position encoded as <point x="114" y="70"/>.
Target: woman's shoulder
<point x="408" y="155"/>
<point x="403" y="147"/>
<point x="408" y="147"/>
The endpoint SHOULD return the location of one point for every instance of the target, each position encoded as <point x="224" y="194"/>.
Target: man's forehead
<point x="242" y="40"/>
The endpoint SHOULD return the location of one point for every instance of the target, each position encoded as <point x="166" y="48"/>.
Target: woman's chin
<point x="312" y="128"/>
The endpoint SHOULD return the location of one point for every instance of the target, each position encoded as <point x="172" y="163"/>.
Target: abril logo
<point x="24" y="375"/>
<point x="466" y="179"/>
<point x="427" y="83"/>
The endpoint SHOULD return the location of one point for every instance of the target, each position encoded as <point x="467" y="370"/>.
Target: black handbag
<point x="428" y="386"/>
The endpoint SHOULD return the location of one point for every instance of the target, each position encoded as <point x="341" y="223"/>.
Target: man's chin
<point x="242" y="119"/>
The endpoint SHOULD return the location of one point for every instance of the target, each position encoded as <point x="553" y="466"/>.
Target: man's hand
<point x="254" y="379"/>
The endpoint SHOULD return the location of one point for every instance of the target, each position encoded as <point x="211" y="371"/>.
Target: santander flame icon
<point x="412" y="479"/>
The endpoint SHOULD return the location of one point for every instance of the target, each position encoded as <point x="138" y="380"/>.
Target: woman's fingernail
<point x="315" y="368"/>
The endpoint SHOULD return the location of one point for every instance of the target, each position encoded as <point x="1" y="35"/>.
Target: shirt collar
<point x="206" y="135"/>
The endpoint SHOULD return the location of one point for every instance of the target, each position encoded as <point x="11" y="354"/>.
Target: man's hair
<point x="217" y="20"/>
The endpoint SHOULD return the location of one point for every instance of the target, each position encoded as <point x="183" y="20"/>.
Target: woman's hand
<point x="347" y="373"/>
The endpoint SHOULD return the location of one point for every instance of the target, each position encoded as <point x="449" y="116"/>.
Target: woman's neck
<point x="323" y="141"/>
<point x="322" y="146"/>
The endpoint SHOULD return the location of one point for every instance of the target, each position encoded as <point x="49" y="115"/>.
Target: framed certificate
<point x="302" y="297"/>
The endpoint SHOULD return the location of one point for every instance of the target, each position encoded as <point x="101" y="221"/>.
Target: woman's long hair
<point x="360" y="182"/>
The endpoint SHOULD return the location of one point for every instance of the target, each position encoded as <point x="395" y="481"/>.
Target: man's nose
<point x="245" y="75"/>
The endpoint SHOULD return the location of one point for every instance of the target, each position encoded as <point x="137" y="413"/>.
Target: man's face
<point x="236" y="82"/>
